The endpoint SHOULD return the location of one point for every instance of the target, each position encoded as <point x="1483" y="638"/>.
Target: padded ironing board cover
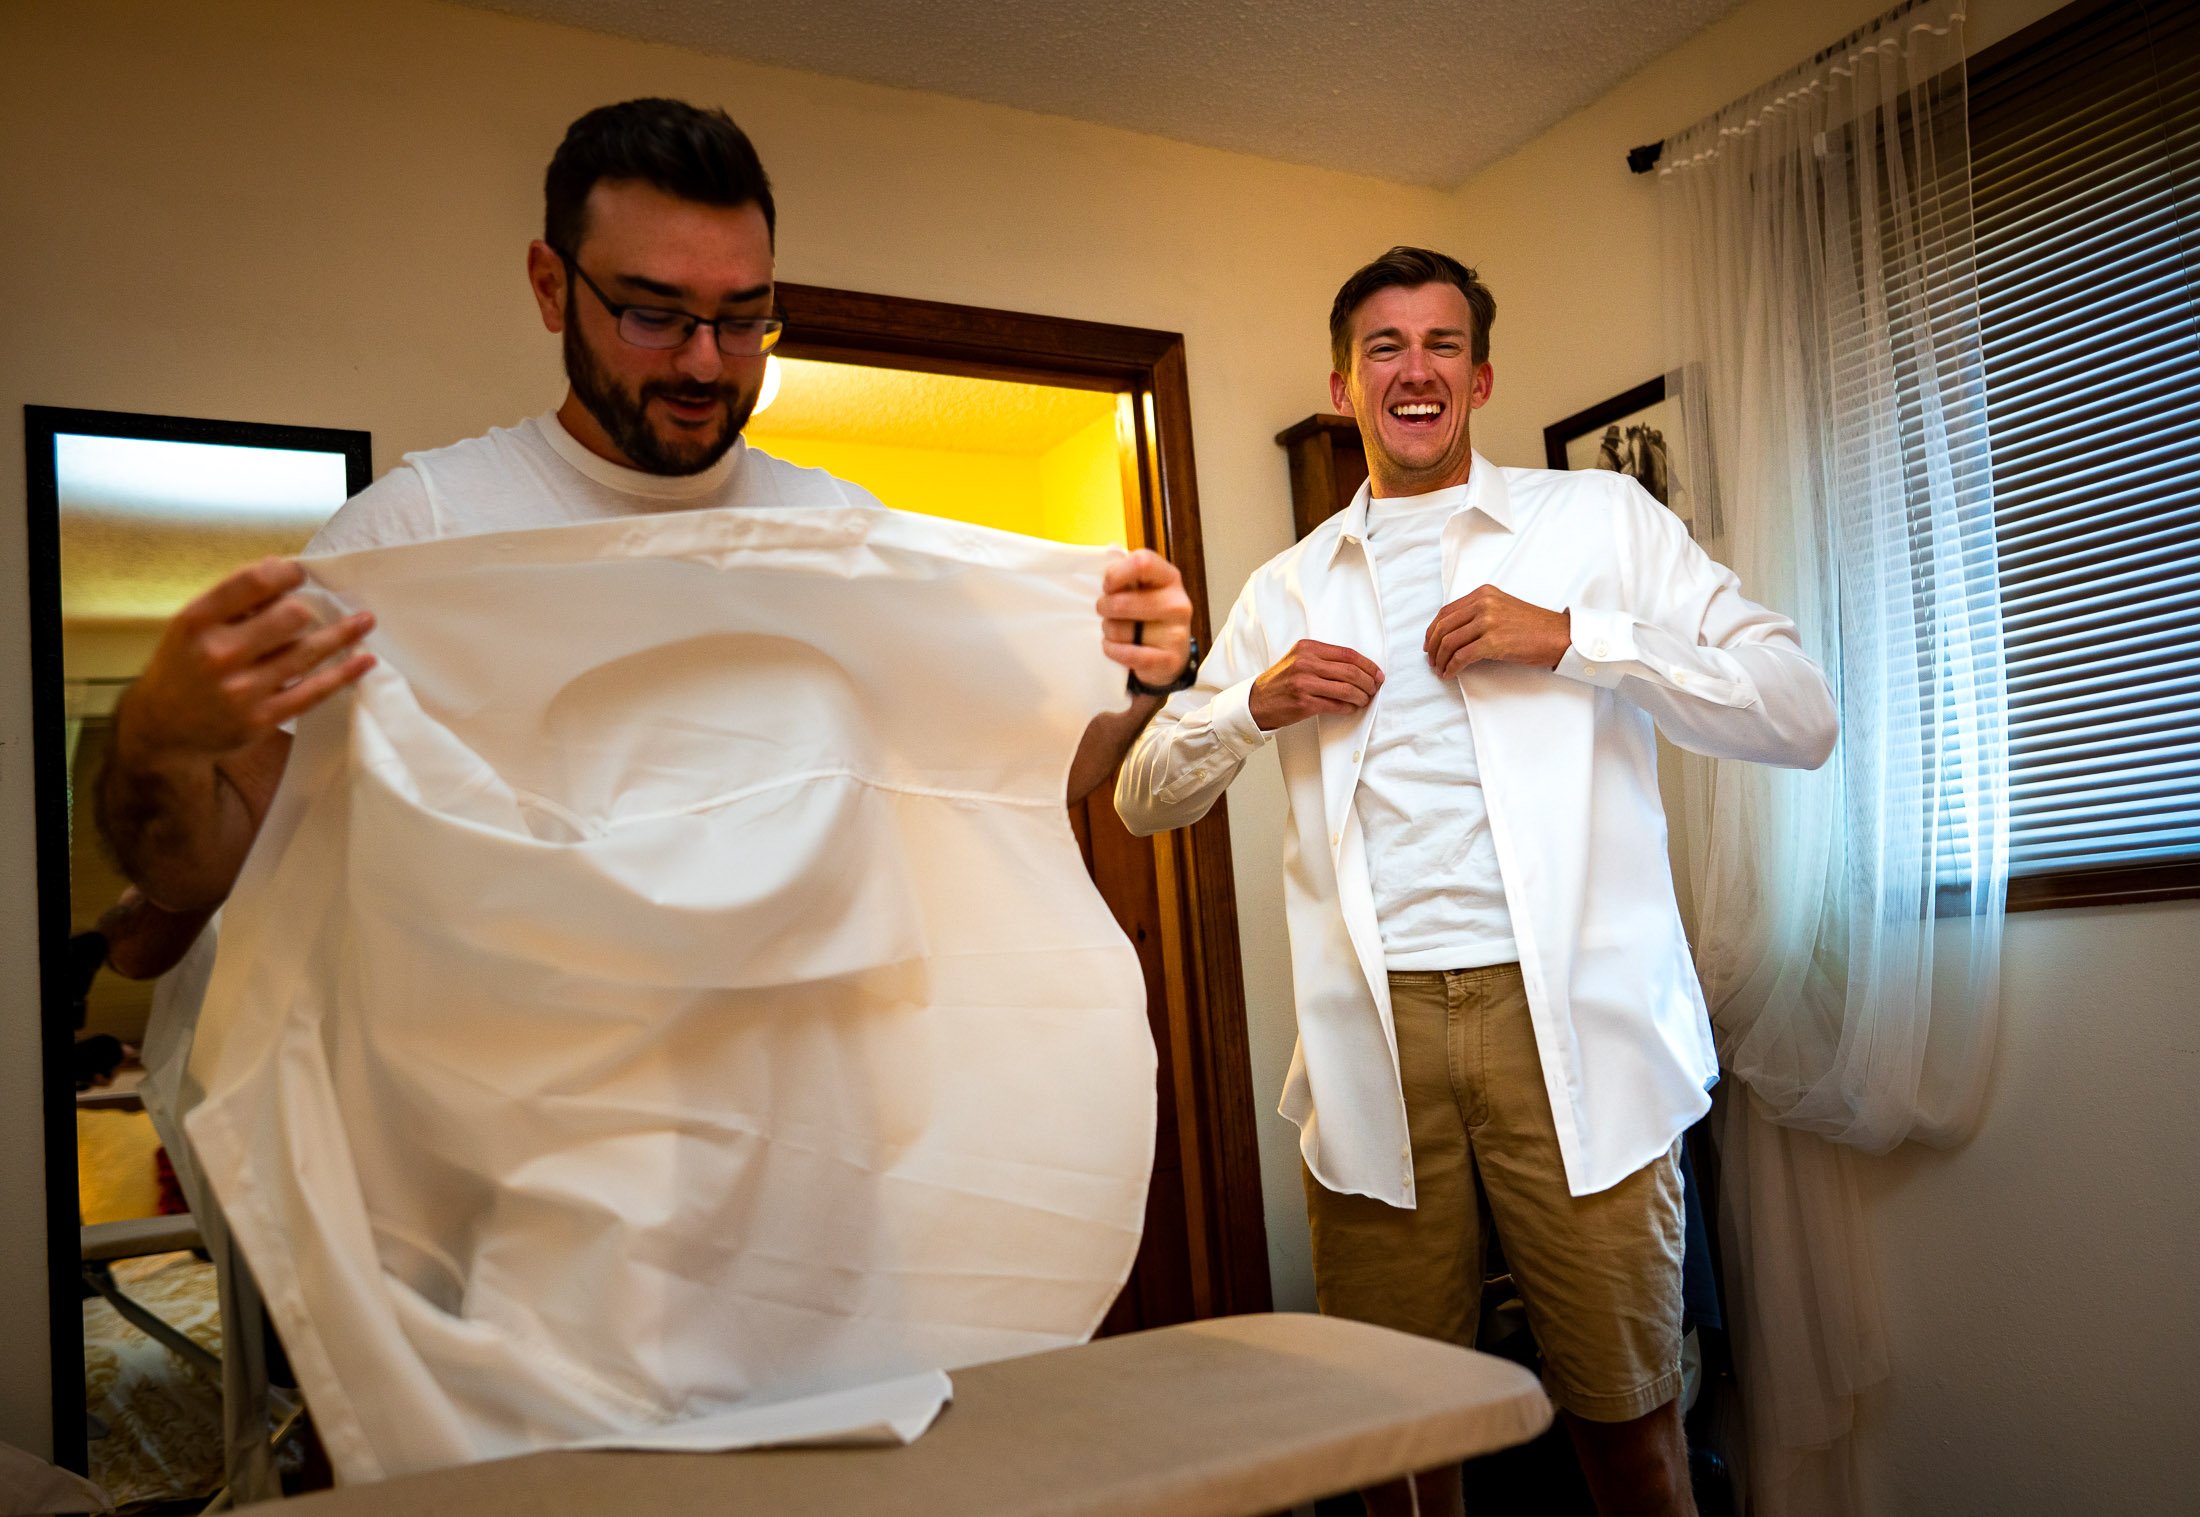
<point x="666" y="1005"/>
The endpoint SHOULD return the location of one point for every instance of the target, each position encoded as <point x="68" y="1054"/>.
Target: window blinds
<point x="2087" y="206"/>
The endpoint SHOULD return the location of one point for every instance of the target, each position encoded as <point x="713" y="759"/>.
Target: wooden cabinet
<point x="1328" y="467"/>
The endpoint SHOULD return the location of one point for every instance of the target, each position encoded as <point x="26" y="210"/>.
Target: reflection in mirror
<point x="131" y="517"/>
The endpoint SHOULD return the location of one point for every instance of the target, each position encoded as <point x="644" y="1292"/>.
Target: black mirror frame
<point x="49" y="767"/>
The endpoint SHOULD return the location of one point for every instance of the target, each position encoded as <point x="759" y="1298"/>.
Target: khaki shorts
<point x="1600" y="1275"/>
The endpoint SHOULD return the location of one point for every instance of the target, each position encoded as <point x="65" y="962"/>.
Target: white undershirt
<point x="537" y="474"/>
<point x="1438" y="896"/>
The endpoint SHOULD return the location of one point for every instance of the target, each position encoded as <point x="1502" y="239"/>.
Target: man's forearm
<point x="176" y="824"/>
<point x="1762" y="700"/>
<point x="143" y="941"/>
<point x="1107" y="738"/>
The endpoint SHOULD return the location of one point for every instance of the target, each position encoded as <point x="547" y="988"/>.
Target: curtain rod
<point x="1641" y="160"/>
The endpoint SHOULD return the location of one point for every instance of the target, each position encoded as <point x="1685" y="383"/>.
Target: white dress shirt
<point x="646" y="1019"/>
<point x="1661" y="634"/>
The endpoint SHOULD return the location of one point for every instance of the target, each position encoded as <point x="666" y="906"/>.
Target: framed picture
<point x="1639" y="433"/>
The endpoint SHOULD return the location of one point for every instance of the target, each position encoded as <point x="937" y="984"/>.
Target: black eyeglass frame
<point x="766" y="329"/>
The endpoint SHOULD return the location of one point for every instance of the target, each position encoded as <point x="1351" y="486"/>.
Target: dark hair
<point x="1410" y="268"/>
<point x="694" y="154"/>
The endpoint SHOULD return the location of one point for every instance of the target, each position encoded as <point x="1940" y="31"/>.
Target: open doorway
<point x="1080" y="432"/>
<point x="1044" y="460"/>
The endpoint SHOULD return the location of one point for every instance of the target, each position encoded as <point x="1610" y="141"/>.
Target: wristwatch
<point x="1184" y="680"/>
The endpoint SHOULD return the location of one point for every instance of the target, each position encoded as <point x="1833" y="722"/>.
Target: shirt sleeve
<point x="1720" y="674"/>
<point x="397" y="508"/>
<point x="1197" y="742"/>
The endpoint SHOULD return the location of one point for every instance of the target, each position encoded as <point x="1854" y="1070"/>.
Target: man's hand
<point x="1486" y="625"/>
<point x="1146" y="626"/>
<point x="234" y="665"/>
<point x="1145" y="616"/>
<point x="199" y="747"/>
<point x="1313" y="679"/>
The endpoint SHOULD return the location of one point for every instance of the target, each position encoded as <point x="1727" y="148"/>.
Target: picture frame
<point x="1643" y="434"/>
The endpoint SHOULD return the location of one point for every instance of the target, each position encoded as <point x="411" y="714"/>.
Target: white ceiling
<point x="1422" y="93"/>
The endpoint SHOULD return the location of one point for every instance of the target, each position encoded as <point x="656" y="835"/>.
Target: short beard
<point x="624" y="416"/>
<point x="1400" y="477"/>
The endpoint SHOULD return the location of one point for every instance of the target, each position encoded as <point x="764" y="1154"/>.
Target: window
<point x="2085" y="145"/>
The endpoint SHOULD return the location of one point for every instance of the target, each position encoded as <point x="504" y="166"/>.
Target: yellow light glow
<point x="1043" y="460"/>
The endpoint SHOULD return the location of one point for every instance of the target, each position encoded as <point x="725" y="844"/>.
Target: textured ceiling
<point x="1421" y="94"/>
<point x="141" y="568"/>
<point x="146" y="525"/>
<point x="906" y="409"/>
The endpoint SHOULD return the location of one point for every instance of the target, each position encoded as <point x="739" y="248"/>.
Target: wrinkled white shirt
<point x="666" y="1004"/>
<point x="1568" y="762"/>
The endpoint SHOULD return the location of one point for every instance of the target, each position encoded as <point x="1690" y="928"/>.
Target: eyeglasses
<point x="661" y="329"/>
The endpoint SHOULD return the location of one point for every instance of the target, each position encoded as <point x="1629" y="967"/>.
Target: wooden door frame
<point x="1217" y="1125"/>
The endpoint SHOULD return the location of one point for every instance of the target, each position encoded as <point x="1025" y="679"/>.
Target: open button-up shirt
<point x="1663" y="639"/>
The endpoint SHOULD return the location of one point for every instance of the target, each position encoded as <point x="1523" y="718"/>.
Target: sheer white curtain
<point x="1824" y="323"/>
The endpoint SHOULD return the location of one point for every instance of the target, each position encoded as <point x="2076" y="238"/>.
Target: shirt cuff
<point x="1230" y="718"/>
<point x="1603" y="647"/>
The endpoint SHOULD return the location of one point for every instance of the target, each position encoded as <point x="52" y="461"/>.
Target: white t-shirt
<point x="537" y="474"/>
<point x="1438" y="897"/>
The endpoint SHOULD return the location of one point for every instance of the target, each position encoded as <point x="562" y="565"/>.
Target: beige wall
<point x="2041" y="1304"/>
<point x="2043" y="1321"/>
<point x="317" y="214"/>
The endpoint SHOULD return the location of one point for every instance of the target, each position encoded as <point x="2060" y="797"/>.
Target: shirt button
<point x="1604" y="650"/>
<point x="1679" y="678"/>
<point x="1355" y="755"/>
<point x="1335" y="838"/>
<point x="1588" y="668"/>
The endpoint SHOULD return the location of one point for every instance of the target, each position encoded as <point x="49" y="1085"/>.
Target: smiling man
<point x="655" y="267"/>
<point x="1499" y="1029"/>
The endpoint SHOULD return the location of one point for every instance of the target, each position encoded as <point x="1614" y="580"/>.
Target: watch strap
<point x="1185" y="679"/>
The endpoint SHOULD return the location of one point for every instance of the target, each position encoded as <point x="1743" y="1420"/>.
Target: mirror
<point x="131" y="516"/>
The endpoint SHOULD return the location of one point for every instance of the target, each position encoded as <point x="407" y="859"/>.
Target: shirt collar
<point x="1486" y="493"/>
<point x="634" y="481"/>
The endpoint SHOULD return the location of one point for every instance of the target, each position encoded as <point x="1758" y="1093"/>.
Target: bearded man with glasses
<point x="621" y="417"/>
<point x="655" y="267"/>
